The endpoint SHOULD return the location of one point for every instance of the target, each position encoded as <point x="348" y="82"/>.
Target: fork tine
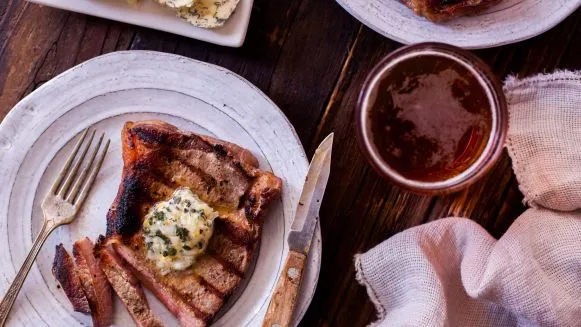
<point x="81" y="179"/>
<point x="73" y="172"/>
<point x="68" y="163"/>
<point x="91" y="179"/>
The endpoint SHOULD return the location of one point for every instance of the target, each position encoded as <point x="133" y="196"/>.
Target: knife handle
<point x="282" y="303"/>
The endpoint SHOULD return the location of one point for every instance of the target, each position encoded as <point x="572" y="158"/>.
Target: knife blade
<point x="281" y="307"/>
<point x="307" y="213"/>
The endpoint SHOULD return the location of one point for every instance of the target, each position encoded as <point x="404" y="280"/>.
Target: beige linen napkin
<point x="451" y="272"/>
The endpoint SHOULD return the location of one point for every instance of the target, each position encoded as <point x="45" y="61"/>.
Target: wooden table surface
<point x="311" y="58"/>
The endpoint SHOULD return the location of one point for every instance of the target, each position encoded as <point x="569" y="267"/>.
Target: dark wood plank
<point x="571" y="58"/>
<point x="95" y="32"/>
<point x="28" y="38"/>
<point x="10" y="14"/>
<point x="146" y="39"/>
<point x="310" y="63"/>
<point x="64" y="51"/>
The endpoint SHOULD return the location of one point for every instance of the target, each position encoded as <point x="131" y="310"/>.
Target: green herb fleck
<point x="149" y="245"/>
<point x="159" y="215"/>
<point x="183" y="233"/>
<point x="170" y="251"/>
<point x="187" y="248"/>
<point x="200" y="245"/>
<point x="188" y="203"/>
<point x="177" y="199"/>
<point x="164" y="238"/>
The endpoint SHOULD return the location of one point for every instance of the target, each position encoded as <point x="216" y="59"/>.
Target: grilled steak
<point x="63" y="269"/>
<point x="158" y="158"/>
<point x="94" y="283"/>
<point x="127" y="287"/>
<point x="441" y="10"/>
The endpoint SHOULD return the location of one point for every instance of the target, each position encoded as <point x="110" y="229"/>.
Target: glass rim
<point x="498" y="110"/>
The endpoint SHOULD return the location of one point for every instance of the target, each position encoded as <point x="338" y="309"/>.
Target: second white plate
<point x="509" y="21"/>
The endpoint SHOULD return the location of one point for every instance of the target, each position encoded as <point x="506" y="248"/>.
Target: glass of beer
<point x="432" y="118"/>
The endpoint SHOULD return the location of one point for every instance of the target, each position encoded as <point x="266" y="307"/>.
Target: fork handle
<point x="47" y="227"/>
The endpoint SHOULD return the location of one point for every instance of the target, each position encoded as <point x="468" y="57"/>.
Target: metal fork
<point x="60" y="207"/>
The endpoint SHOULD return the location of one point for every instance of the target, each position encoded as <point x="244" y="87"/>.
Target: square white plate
<point x="147" y="13"/>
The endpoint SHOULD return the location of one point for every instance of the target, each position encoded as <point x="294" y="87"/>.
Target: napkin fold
<point x="451" y="272"/>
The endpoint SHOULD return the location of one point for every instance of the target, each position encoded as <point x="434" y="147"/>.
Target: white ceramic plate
<point x="150" y="14"/>
<point x="104" y="92"/>
<point x="509" y="21"/>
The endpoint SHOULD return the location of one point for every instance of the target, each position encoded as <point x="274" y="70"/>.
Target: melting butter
<point x="178" y="230"/>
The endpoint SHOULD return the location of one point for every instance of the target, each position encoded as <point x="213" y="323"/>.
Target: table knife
<point x="282" y="303"/>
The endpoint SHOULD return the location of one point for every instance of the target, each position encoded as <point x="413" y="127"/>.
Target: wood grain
<point x="29" y="39"/>
<point x="311" y="58"/>
<point x="282" y="304"/>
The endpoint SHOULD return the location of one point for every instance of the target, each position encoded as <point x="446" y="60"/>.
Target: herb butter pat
<point x="177" y="231"/>
<point x="208" y="13"/>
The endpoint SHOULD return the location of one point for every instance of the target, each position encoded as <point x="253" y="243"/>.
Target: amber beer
<point x="432" y="120"/>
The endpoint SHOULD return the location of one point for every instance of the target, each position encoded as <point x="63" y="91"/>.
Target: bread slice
<point x="158" y="158"/>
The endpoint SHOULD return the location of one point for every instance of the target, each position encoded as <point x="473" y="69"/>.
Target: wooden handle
<point x="282" y="303"/>
<point x="12" y="293"/>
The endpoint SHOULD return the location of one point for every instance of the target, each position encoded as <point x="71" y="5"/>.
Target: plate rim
<point x="12" y="116"/>
<point x="234" y="40"/>
<point x="345" y="4"/>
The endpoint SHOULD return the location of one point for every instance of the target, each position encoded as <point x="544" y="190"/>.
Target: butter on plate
<point x="201" y="13"/>
<point x="176" y="4"/>
<point x="208" y="13"/>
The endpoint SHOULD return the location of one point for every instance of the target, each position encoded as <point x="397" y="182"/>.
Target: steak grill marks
<point x="158" y="158"/>
<point x="126" y="286"/>
<point x="94" y="283"/>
